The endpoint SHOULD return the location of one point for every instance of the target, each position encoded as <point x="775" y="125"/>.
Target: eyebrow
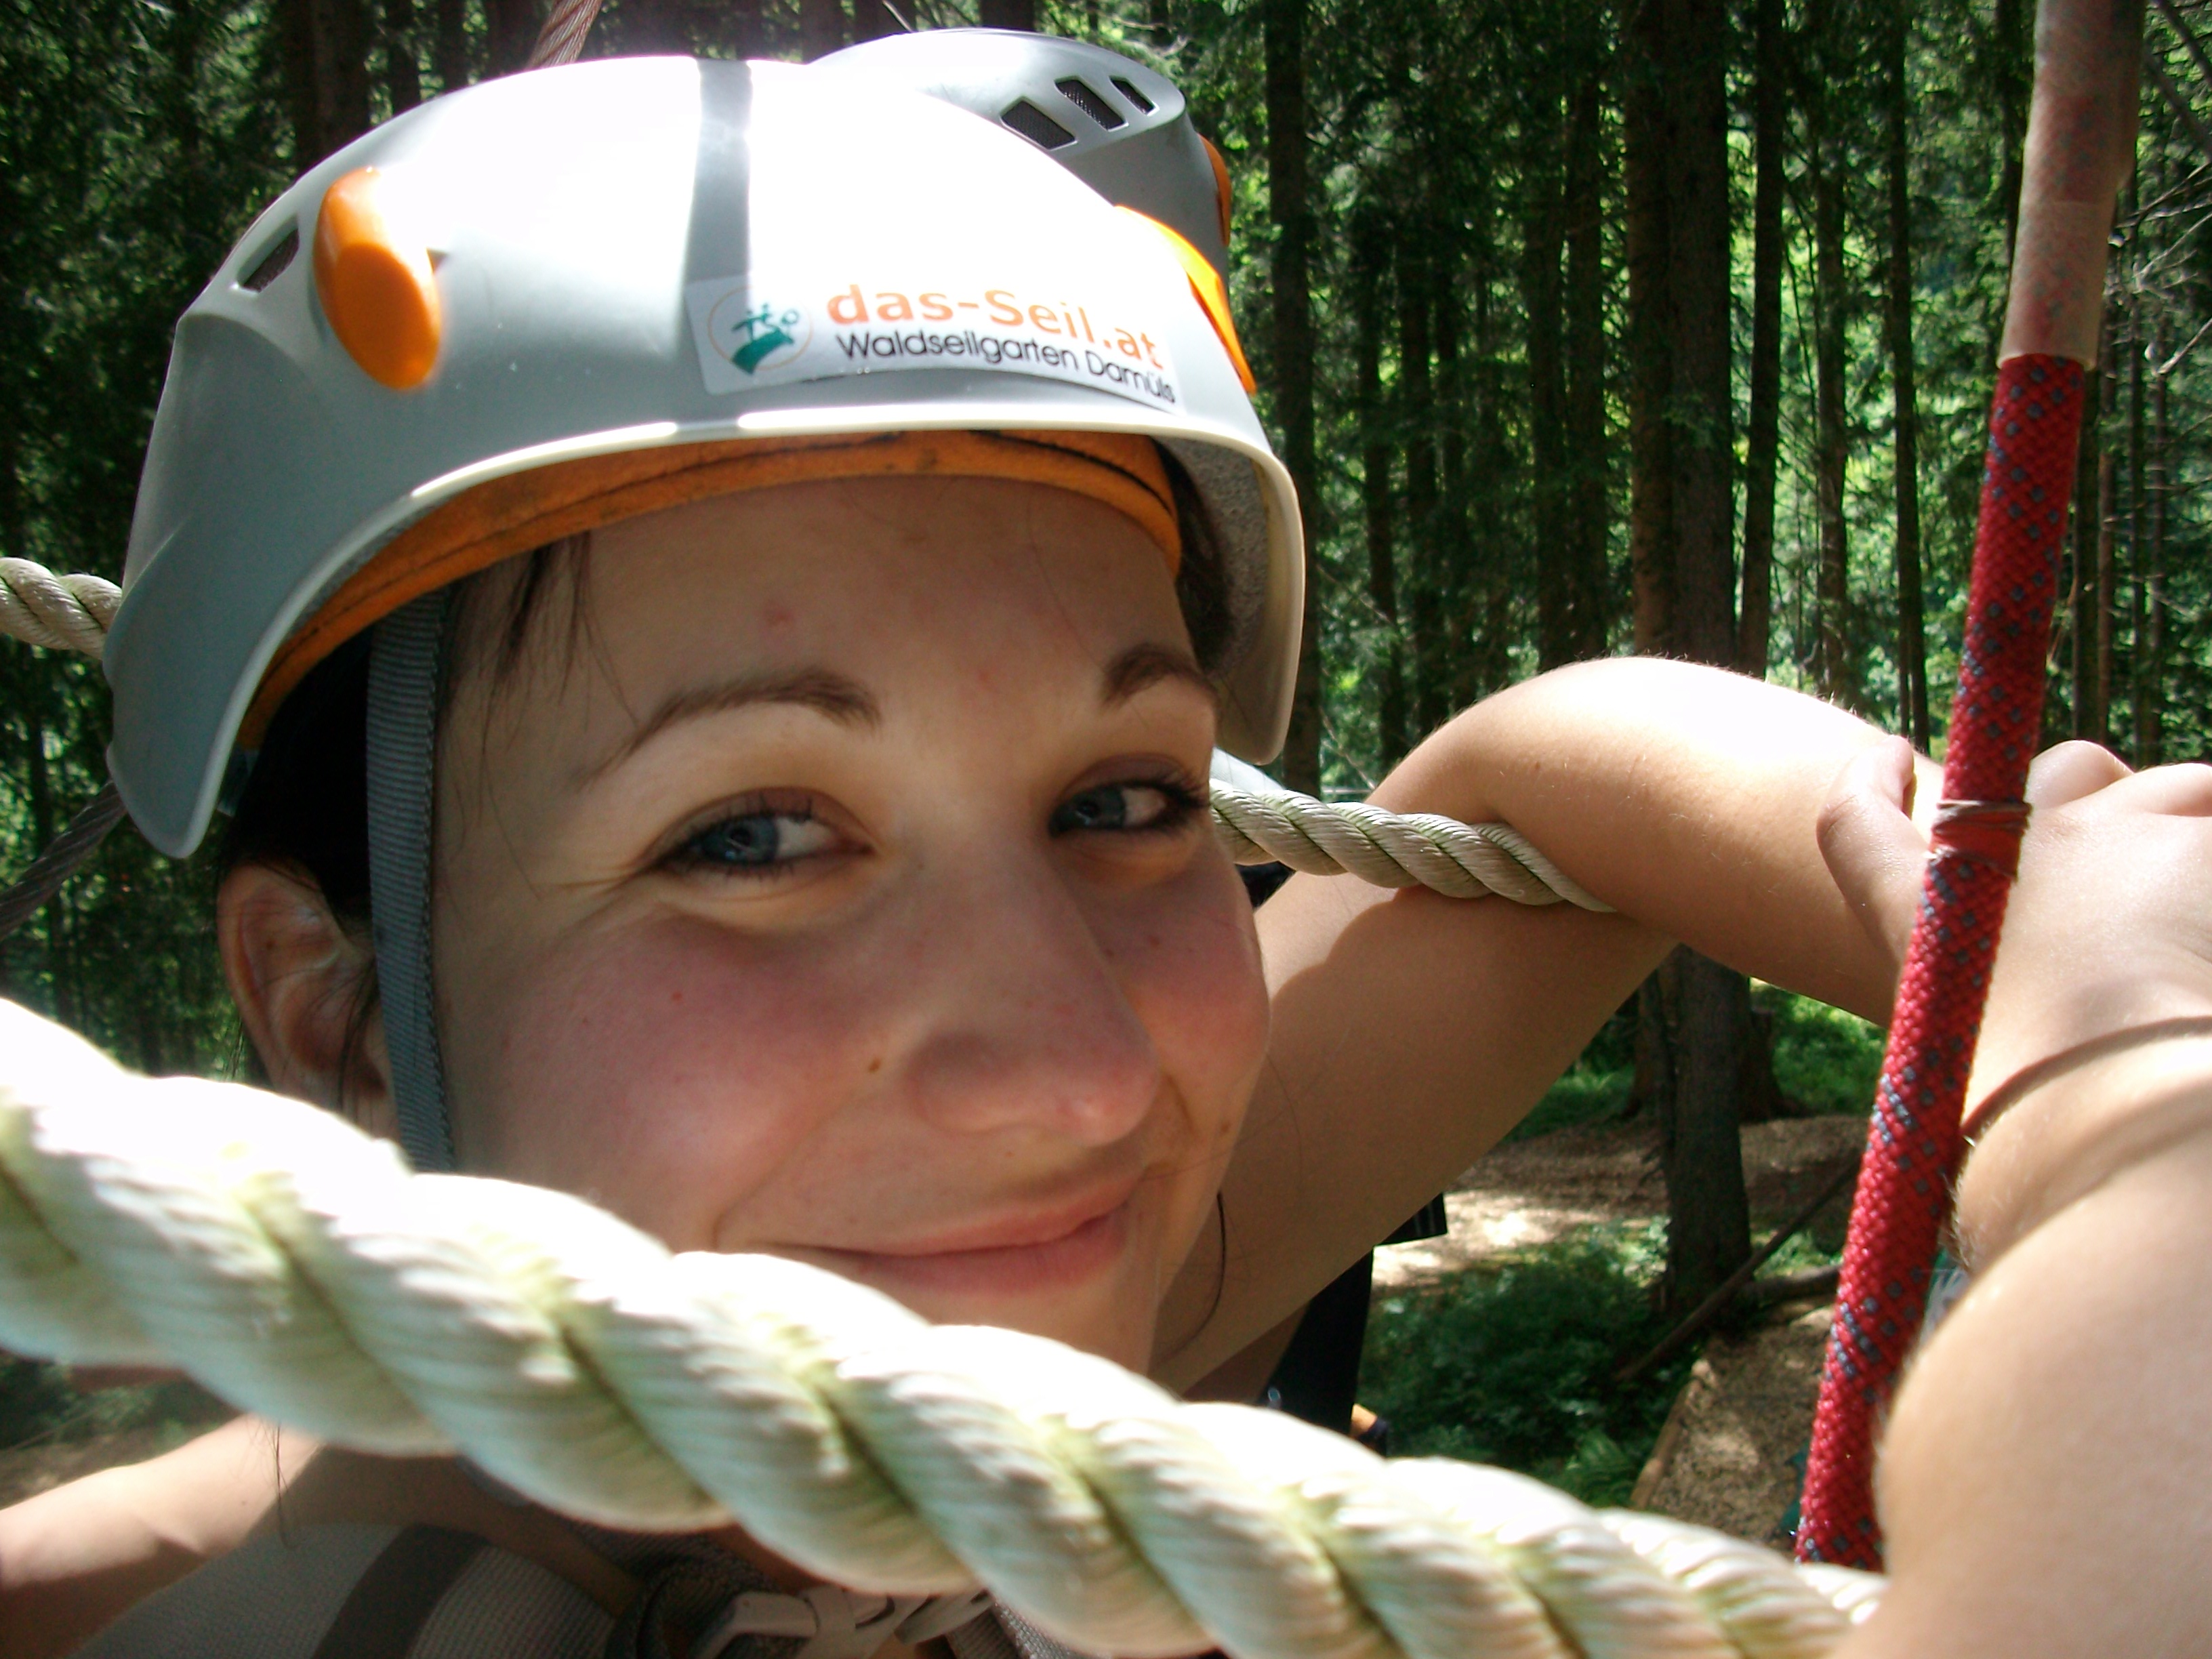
<point x="1143" y="666"/>
<point x="828" y="693"/>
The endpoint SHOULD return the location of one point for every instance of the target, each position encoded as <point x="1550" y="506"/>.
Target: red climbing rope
<point x="1913" y="1147"/>
<point x="2080" y="143"/>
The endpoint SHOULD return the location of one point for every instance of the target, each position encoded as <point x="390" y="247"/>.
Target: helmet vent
<point x="1127" y="89"/>
<point x="1080" y="94"/>
<point x="272" y="264"/>
<point x="1034" y="125"/>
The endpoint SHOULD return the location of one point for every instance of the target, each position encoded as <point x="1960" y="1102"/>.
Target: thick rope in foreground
<point x="297" y="1268"/>
<point x="1322" y="838"/>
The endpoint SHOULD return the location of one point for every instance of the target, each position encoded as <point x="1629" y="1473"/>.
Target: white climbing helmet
<point x="522" y="309"/>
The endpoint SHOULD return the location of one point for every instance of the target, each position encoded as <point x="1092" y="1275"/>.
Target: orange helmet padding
<point x="506" y="516"/>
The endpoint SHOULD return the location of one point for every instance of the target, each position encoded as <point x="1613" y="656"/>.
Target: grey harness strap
<point x="390" y="1603"/>
<point x="406" y="670"/>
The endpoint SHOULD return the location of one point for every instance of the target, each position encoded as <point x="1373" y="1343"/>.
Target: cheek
<point x="666" y="1072"/>
<point x="1188" y="961"/>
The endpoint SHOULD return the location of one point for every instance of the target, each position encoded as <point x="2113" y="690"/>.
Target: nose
<point x="1029" y="1025"/>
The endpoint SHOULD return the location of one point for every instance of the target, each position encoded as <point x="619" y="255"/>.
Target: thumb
<point x="1873" y="850"/>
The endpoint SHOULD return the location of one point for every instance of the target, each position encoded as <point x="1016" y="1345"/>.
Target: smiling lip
<point x="1042" y="1250"/>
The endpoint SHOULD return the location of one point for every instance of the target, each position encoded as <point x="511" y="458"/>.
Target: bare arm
<point x="75" y="1560"/>
<point x="1412" y="1031"/>
<point x="1685" y="797"/>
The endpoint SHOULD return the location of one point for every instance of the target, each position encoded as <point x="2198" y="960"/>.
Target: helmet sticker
<point x="759" y="331"/>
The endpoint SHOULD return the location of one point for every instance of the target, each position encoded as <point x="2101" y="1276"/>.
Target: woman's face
<point x="842" y="888"/>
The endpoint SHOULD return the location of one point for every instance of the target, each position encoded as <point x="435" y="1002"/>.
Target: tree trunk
<point x="1291" y="213"/>
<point x="46" y="820"/>
<point x="1692" y="1030"/>
<point x="1476" y="511"/>
<point x="511" y="28"/>
<point x="821" y="28"/>
<point x="1543" y="234"/>
<point x="1010" y="15"/>
<point x="1589" y="600"/>
<point x="1911" y="646"/>
<point x="2081" y="609"/>
<point x="2150" y="743"/>
<point x="452" y="47"/>
<point x="1371" y="259"/>
<point x="1702" y="406"/>
<point x="1763" y="438"/>
<point x="323" y="45"/>
<point x="1833" y="666"/>
<point x="872" y="19"/>
<point x="748" y="29"/>
<point x="2101" y="707"/>
<point x="1425" y="575"/>
<point x="2012" y="49"/>
<point x="1651" y="359"/>
<point x="2138" y="551"/>
<point x="1459" y="568"/>
<point x="1698" y="1043"/>
<point x="403" y="76"/>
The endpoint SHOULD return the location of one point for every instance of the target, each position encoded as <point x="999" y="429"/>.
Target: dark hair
<point x="305" y="805"/>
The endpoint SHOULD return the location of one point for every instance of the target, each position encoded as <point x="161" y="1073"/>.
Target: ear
<point x="299" y="975"/>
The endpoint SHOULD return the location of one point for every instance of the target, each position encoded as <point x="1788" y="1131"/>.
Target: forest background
<point x="1585" y="326"/>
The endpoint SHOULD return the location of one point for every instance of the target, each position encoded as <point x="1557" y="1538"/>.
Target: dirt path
<point x="1731" y="1455"/>
<point x="1532" y="1191"/>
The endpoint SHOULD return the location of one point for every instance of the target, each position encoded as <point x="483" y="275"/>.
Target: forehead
<point x="896" y="580"/>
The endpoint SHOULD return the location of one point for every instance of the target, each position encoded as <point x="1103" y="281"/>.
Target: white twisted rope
<point x="296" y="1268"/>
<point x="1390" y="849"/>
<point x="1322" y="838"/>
<point x="62" y="613"/>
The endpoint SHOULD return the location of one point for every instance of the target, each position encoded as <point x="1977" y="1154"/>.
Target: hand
<point x="2109" y="924"/>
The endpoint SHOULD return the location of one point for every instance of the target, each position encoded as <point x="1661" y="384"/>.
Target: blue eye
<point x="1124" y="806"/>
<point x="751" y="842"/>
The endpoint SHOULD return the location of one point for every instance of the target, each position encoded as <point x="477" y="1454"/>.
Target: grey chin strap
<point x="405" y="671"/>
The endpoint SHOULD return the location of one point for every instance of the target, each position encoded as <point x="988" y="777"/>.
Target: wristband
<point x="2026" y="1080"/>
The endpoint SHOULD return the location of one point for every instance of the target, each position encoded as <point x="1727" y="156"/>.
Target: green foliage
<point x="1825" y="1058"/>
<point x="135" y="142"/>
<point x="39" y="1406"/>
<point x="1586" y="1094"/>
<point x="1514" y="1364"/>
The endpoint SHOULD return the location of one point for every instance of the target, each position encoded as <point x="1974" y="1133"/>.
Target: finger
<point x="2067" y="771"/>
<point x="1873" y="850"/>
<point x="2181" y="791"/>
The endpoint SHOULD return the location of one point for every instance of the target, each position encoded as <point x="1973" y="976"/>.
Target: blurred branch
<point x="2172" y="93"/>
<point x="2174" y="362"/>
<point x="2168" y="10"/>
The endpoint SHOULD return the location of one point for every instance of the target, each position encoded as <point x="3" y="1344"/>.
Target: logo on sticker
<point x="757" y="335"/>
<point x="752" y="333"/>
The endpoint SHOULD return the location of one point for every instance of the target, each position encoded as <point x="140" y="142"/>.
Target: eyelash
<point x="686" y="858"/>
<point x="1180" y="803"/>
